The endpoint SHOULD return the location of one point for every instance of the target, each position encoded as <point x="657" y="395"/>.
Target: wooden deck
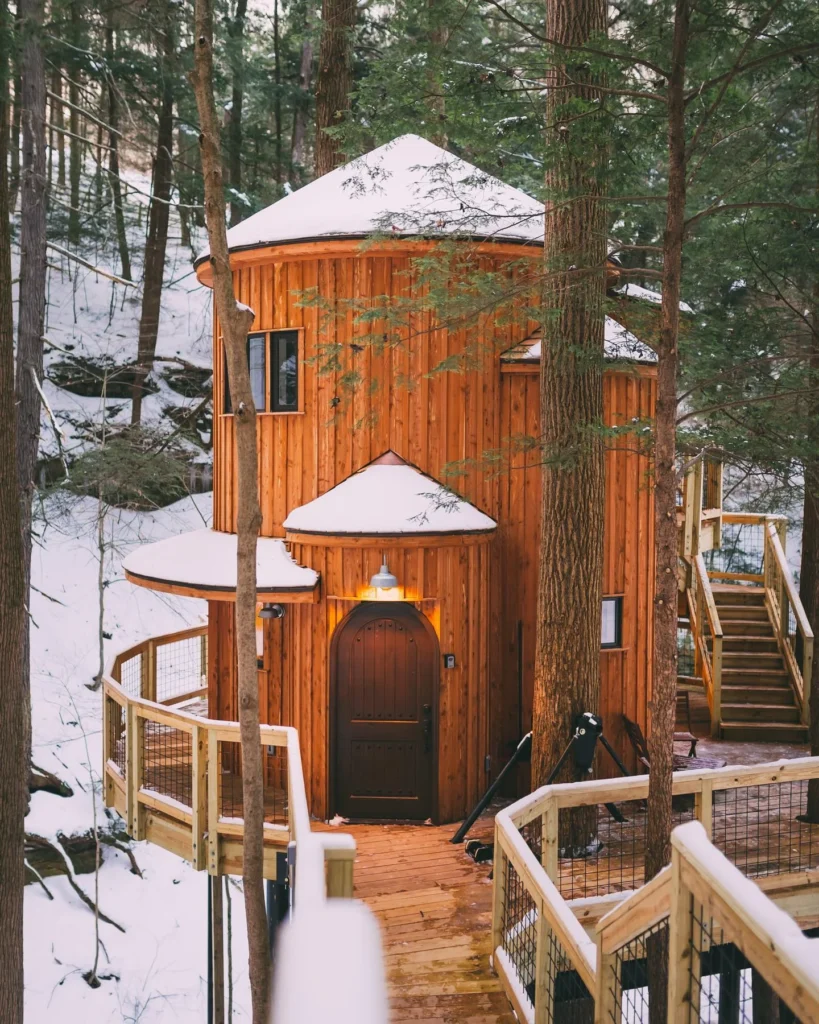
<point x="434" y="907"/>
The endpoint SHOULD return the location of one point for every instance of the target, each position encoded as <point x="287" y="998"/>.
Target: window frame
<point x="268" y="332"/>
<point x="617" y="643"/>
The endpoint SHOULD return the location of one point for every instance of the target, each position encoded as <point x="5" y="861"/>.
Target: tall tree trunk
<point x="664" y="684"/>
<point x="809" y="575"/>
<point x="334" y="80"/>
<point x="236" y="321"/>
<point x="31" y="315"/>
<point x="76" y="148"/>
<point x="277" y="105"/>
<point x="13" y="759"/>
<point x="113" y="152"/>
<point x="237" y="56"/>
<point x="57" y="89"/>
<point x="14" y="171"/>
<point x="157" y="240"/>
<point x="302" y="102"/>
<point x="436" y="40"/>
<point x="567" y="653"/>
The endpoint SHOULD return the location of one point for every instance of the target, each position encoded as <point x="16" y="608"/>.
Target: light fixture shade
<point x="383" y="579"/>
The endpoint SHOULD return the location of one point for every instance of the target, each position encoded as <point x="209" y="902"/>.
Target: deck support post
<point x="607" y="996"/>
<point x="134" y="772"/>
<point x="683" y="951"/>
<point x="704" y="806"/>
<point x="199" y="797"/>
<point x="213" y="782"/>
<point x="549" y="840"/>
<point x="216" y="952"/>
<point x="498" y="892"/>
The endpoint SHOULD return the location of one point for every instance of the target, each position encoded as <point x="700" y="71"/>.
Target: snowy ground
<point x="160" y="962"/>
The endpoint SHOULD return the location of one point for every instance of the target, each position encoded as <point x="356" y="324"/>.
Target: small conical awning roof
<point x="202" y="563"/>
<point x="388" y="498"/>
<point x="406" y="188"/>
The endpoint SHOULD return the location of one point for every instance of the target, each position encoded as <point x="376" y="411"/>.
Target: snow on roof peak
<point x="618" y="344"/>
<point x="408" y="187"/>
<point x="388" y="497"/>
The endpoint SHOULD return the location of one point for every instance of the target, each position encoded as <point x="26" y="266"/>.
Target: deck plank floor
<point x="434" y="907"/>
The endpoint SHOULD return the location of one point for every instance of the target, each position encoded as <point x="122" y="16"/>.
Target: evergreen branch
<point x="788" y="51"/>
<point x="723" y="207"/>
<point x="747" y="401"/>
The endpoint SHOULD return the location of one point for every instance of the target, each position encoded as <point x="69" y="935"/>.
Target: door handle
<point x="427" y="709"/>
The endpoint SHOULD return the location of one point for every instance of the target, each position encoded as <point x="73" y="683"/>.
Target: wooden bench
<point x="681" y="763"/>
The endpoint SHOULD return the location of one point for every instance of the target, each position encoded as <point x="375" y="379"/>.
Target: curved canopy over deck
<point x="202" y="563"/>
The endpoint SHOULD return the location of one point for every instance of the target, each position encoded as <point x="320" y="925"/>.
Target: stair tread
<point x="766" y="726"/>
<point x="750" y="704"/>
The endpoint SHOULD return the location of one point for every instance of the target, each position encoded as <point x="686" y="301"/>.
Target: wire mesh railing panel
<point x="167" y="762"/>
<point x="181" y="667"/>
<point x="231" y="796"/>
<point x="599" y="854"/>
<point x="741" y="550"/>
<point x="115" y="721"/>
<point x="130" y="675"/>
<point x="568" y="1000"/>
<point x="758" y="828"/>
<point x="685" y="648"/>
<point x="519" y="935"/>
<point x="723" y="985"/>
<point x="638" y="978"/>
<point x="532" y="835"/>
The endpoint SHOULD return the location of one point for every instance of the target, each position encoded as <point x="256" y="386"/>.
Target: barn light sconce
<point x="272" y="611"/>
<point x="384" y="585"/>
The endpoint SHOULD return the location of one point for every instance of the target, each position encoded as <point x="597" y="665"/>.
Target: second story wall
<point x="429" y="421"/>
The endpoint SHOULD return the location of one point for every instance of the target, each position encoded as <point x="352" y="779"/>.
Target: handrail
<point x="783" y="598"/>
<point x="735" y="912"/>
<point x="711" y="659"/>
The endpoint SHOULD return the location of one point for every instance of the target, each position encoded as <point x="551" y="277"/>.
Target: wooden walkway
<point x="434" y="906"/>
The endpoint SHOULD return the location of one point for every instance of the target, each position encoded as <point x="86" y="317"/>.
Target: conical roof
<point x="388" y="497"/>
<point x="408" y="187"/>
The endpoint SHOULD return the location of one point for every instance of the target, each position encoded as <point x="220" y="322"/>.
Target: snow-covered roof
<point x="408" y="187"/>
<point x="619" y="344"/>
<point x="388" y="498"/>
<point x="637" y="291"/>
<point x="206" y="560"/>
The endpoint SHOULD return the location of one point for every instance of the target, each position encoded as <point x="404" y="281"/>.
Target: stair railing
<point x="789" y="618"/>
<point x="708" y="637"/>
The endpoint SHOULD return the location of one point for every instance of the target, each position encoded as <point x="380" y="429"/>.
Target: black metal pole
<point x="210" y="951"/>
<point x="522" y="749"/>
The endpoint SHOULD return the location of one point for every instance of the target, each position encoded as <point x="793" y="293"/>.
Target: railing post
<point x="148" y="682"/>
<point x="133" y="773"/>
<point x="107" y="788"/>
<point x="716" y="685"/>
<point x="549" y="832"/>
<point x="544" y="978"/>
<point x="704" y="806"/>
<point x="683" y="959"/>
<point x="608" y="985"/>
<point x="213" y="803"/>
<point x="807" y="675"/>
<point x="199" y="796"/>
<point x="499" y="871"/>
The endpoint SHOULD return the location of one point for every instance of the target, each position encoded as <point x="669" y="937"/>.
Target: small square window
<point x="275" y="353"/>
<point x="284" y="371"/>
<point x="612" y="632"/>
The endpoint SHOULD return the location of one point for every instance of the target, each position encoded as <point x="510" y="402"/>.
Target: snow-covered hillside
<point x="158" y="966"/>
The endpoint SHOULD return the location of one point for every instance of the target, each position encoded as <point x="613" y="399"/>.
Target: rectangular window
<point x="284" y="371"/>
<point x="612" y="635"/>
<point x="278" y="350"/>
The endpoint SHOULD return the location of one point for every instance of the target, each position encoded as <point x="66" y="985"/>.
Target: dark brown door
<point x="386" y="668"/>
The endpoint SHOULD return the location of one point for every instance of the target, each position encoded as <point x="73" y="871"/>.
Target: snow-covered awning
<point x="202" y="563"/>
<point x="388" y="497"/>
<point x="620" y="344"/>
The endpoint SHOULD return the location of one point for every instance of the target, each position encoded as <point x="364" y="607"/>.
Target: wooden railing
<point x="542" y="948"/>
<point x="789" y="617"/>
<point x="175" y="775"/>
<point x="707" y="631"/>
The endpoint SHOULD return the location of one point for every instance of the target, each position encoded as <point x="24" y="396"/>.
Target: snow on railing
<point x="540" y="950"/>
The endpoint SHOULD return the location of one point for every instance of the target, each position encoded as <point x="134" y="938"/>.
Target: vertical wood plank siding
<point x="480" y="598"/>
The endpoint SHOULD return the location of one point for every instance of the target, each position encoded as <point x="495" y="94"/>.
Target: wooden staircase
<point x="758" y="700"/>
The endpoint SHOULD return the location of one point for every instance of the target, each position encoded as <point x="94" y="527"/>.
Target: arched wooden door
<point x="386" y="682"/>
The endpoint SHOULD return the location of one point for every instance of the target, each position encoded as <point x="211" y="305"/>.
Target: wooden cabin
<point x="397" y="603"/>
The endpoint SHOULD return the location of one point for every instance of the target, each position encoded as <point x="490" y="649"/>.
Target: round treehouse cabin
<point x="397" y="600"/>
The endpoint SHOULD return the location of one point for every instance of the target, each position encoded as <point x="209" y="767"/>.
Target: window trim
<point x="267" y="411"/>
<point x="618" y="622"/>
